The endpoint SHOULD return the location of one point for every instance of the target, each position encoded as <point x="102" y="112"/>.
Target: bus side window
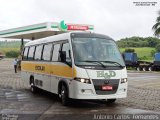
<point x="31" y="53"/>
<point x="47" y="52"/>
<point x="55" y="56"/>
<point x="25" y="53"/>
<point x="66" y="48"/>
<point x="38" y="52"/>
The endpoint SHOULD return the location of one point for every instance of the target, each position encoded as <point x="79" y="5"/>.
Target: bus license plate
<point x="106" y="87"/>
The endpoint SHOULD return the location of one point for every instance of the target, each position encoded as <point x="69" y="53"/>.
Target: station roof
<point x="42" y="30"/>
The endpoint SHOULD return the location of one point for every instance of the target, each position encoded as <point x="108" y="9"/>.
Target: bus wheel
<point x="64" y="95"/>
<point x="33" y="89"/>
<point x="111" y="100"/>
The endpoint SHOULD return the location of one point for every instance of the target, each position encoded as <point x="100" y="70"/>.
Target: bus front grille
<point x="98" y="83"/>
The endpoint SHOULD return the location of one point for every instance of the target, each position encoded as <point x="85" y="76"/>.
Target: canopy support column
<point x="22" y="44"/>
<point x="33" y="38"/>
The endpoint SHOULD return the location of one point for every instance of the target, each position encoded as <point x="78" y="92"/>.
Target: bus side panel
<point x="43" y="81"/>
<point x="40" y="72"/>
<point x="25" y="74"/>
<point x="42" y="75"/>
<point x="25" y="77"/>
<point x="60" y="71"/>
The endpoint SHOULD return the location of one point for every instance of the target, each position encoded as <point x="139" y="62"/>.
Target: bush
<point x="12" y="54"/>
<point x="129" y="50"/>
<point x="143" y="58"/>
<point x="158" y="47"/>
<point x="1" y="53"/>
<point x="152" y="53"/>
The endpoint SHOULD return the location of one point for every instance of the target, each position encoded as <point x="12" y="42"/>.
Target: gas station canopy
<point x="42" y="30"/>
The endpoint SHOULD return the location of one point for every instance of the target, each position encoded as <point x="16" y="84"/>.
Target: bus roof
<point x="65" y="36"/>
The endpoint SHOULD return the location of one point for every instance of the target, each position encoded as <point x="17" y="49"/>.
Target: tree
<point x="138" y="42"/>
<point x="156" y="27"/>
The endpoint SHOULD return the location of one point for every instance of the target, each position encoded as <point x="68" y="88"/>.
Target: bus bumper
<point x="87" y="91"/>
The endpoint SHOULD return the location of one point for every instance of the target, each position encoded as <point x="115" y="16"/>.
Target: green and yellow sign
<point x="63" y="26"/>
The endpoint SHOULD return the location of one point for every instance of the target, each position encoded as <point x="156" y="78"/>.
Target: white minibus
<point x="75" y="65"/>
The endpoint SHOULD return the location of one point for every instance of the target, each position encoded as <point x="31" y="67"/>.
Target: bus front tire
<point x="64" y="95"/>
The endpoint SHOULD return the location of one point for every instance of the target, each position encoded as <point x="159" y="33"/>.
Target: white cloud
<point x="116" y="18"/>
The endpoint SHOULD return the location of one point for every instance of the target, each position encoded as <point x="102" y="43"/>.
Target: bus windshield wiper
<point x="114" y="62"/>
<point x="99" y="62"/>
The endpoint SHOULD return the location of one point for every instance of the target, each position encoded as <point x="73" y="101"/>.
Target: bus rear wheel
<point x="64" y="95"/>
<point x="33" y="87"/>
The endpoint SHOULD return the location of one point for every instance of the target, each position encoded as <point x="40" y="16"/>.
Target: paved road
<point x="150" y="80"/>
<point x="17" y="101"/>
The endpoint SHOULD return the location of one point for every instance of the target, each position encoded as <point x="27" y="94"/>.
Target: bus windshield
<point x="96" y="51"/>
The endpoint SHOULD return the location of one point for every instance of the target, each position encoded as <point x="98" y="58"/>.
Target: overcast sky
<point x="116" y="18"/>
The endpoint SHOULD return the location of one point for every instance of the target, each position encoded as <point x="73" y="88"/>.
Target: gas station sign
<point x="77" y="27"/>
<point x="65" y="27"/>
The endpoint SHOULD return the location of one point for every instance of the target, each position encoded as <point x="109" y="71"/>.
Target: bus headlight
<point x="124" y="80"/>
<point x="83" y="80"/>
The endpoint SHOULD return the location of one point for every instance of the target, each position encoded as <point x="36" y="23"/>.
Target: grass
<point x="4" y="50"/>
<point x="6" y="46"/>
<point x="144" y="53"/>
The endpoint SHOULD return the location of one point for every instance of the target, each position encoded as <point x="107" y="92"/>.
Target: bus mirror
<point x="63" y="56"/>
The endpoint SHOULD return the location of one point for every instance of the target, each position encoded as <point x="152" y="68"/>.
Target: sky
<point x="116" y="18"/>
